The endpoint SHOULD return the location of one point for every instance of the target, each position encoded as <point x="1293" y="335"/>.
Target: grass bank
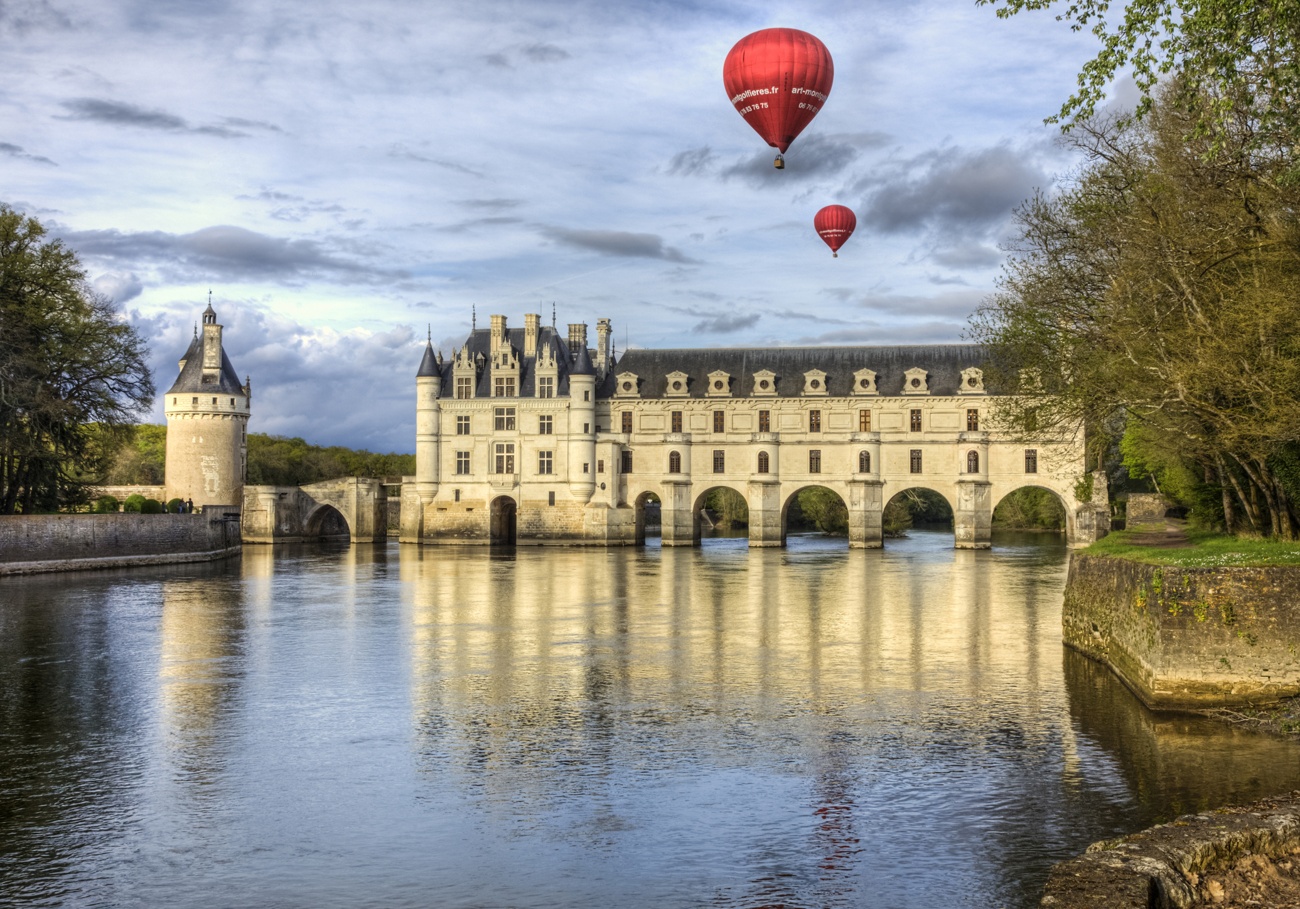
<point x="1157" y="545"/>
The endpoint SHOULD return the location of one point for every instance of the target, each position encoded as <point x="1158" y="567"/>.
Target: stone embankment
<point x="1233" y="857"/>
<point x="1188" y="638"/>
<point x="31" y="544"/>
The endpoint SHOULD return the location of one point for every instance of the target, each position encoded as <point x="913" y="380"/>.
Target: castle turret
<point x="582" y="417"/>
<point x="207" y="411"/>
<point x="428" y="423"/>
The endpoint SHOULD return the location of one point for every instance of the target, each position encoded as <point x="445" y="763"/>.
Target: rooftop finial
<point x="473" y="317"/>
<point x="430" y="338"/>
<point x="552" y="315"/>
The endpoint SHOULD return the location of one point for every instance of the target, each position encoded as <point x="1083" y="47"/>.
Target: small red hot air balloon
<point x="834" y="225"/>
<point x="778" y="80"/>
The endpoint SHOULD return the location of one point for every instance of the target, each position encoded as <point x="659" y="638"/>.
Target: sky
<point x="349" y="178"/>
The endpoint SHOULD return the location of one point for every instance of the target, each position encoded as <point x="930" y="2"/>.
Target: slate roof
<point x="190" y="380"/>
<point x="480" y="342"/>
<point x="943" y="363"/>
<point x="429" y="365"/>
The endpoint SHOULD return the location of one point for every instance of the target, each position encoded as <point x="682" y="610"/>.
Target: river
<point x="403" y="727"/>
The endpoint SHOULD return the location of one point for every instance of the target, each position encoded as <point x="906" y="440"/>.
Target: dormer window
<point x="972" y="381"/>
<point x="814" y="382"/>
<point x="864" y="382"/>
<point x="627" y="385"/>
<point x="764" y="383"/>
<point x="916" y="382"/>
<point x="677" y="385"/>
<point x="719" y="384"/>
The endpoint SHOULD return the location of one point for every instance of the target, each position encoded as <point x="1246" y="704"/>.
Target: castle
<point x="527" y="436"/>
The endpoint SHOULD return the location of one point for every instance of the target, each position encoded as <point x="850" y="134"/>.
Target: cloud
<point x="544" y="53"/>
<point x="491" y="204"/>
<point x="967" y="254"/>
<point x="16" y="151"/>
<point x="693" y="162"/>
<point x="240" y="122"/>
<point x="726" y="324"/>
<point x="810" y="156"/>
<point x="33" y="15"/>
<point x="224" y="251"/>
<point x="118" y="113"/>
<point x="402" y="153"/>
<point x="616" y="243"/>
<point x="950" y="190"/>
<point x="491" y="221"/>
<point x="119" y="287"/>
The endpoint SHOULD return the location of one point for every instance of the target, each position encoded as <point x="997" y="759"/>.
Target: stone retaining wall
<point x="72" y="542"/>
<point x="1188" y="638"/>
<point x="1160" y="866"/>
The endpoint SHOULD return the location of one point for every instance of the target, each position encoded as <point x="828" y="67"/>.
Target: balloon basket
<point x="779" y="163"/>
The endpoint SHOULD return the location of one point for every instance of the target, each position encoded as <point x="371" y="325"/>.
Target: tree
<point x="1161" y="290"/>
<point x="72" y="374"/>
<point x="1242" y="56"/>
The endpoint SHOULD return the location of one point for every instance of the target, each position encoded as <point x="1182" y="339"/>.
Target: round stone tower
<point x="207" y="423"/>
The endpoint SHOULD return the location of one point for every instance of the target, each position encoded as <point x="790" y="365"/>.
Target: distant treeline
<point x="272" y="461"/>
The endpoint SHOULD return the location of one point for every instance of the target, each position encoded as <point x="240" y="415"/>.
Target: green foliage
<point x="1204" y="549"/>
<point x="1160" y="290"/>
<point x="134" y="504"/>
<point x="142" y="458"/>
<point x="105" y="504"/>
<point x="151" y="506"/>
<point x="912" y="507"/>
<point x="175" y="506"/>
<point x="728" y="508"/>
<point x="1083" y="488"/>
<point x="1234" y="59"/>
<point x="1030" y="508"/>
<point x="817" y="508"/>
<point x="72" y="374"/>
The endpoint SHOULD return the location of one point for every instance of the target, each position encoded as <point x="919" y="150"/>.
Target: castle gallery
<point x="528" y="436"/>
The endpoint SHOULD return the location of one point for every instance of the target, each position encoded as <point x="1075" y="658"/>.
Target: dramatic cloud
<point x="16" y="151"/>
<point x="693" y="162"/>
<point x="117" y="113"/>
<point x="726" y="324"/>
<point x="950" y="190"/>
<point x="811" y="156"/>
<point x="616" y="243"/>
<point x="119" y="287"/>
<point x="226" y="252"/>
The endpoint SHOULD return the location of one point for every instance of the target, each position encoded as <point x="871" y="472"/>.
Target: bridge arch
<point x="503" y="526"/>
<point x="1035" y="510"/>
<point x="942" y="508"/>
<point x="830" y="515"/>
<point x="648" y="515"/>
<point x="697" y="510"/>
<point x="325" y="522"/>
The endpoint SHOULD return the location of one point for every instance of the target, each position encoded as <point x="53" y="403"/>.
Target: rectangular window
<point x="456" y="496"/>
<point x="600" y="465"/>
<point x="545" y="425"/>
<point x="462" y="426"/>
<point x="586" y="395"/>
<point x="464" y="387"/>
<point x="586" y="428"/>
<point x="677" y="421"/>
<point x="916" y="460"/>
<point x="546" y="387"/>
<point x="627" y="421"/>
<point x="815" y="461"/>
<point x="626" y="465"/>
<point x="719" y="461"/>
<point x="814" y="421"/>
<point x="916" y="420"/>
<point x="586" y="467"/>
<point x="462" y="463"/>
<point x="719" y="421"/>
<point x="765" y="421"/>
<point x="503" y="387"/>
<point x="505" y="457"/>
<point x="550" y="497"/>
<point x="545" y="462"/>
<point x="503" y="419"/>
<point x="1031" y="460"/>
<point x="864" y="421"/>
<point x="972" y="420"/>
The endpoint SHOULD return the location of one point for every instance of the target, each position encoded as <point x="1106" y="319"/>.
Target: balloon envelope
<point x="778" y="80"/>
<point x="835" y="224"/>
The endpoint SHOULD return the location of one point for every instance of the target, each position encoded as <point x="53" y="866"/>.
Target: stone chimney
<point x="602" y="345"/>
<point x="498" y="333"/>
<point x="577" y="337"/>
<point x="211" y="346"/>
<point x="531" y="321"/>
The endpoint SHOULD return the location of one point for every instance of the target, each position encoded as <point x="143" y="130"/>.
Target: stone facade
<point x="528" y="436"/>
<point x="75" y="542"/>
<point x="207" y="411"/>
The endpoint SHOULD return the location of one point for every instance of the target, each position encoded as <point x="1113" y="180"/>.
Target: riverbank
<point x="37" y="544"/>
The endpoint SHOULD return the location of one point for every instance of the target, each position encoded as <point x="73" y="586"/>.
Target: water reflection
<point x="394" y="726"/>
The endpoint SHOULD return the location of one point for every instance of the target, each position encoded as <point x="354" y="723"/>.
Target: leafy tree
<point x="729" y="506"/>
<point x="1242" y="56"/>
<point x="1030" y="508"/>
<point x="142" y="459"/>
<point x="1160" y="291"/>
<point x="72" y="374"/>
<point x="105" y="504"/>
<point x="818" y="508"/>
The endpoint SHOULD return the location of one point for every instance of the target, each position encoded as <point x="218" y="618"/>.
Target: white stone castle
<point x="527" y="436"/>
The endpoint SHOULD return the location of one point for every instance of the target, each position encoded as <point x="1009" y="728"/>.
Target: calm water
<point x="389" y="727"/>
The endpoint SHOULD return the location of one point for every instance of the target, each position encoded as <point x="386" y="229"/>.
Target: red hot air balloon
<point x="778" y="79"/>
<point x="834" y="225"/>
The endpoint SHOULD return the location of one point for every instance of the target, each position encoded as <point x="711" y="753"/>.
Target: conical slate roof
<point x="429" y="365"/>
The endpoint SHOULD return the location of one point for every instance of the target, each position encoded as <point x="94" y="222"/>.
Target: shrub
<point x="134" y="503"/>
<point x="105" y="505"/>
<point x="151" y="506"/>
<point x="175" y="506"/>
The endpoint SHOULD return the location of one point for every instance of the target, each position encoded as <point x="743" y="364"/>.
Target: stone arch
<point x="1061" y="500"/>
<point x="325" y="522"/>
<point x="503" y="521"/>
<point x="843" y="506"/>
<point x="649" y="515"/>
<point x="698" y="506"/>
<point x="947" y="500"/>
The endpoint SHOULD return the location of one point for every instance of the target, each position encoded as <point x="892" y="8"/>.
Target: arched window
<point x="764" y="462"/>
<point x="674" y="462"/>
<point x="972" y="462"/>
<point x="864" y="462"/>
